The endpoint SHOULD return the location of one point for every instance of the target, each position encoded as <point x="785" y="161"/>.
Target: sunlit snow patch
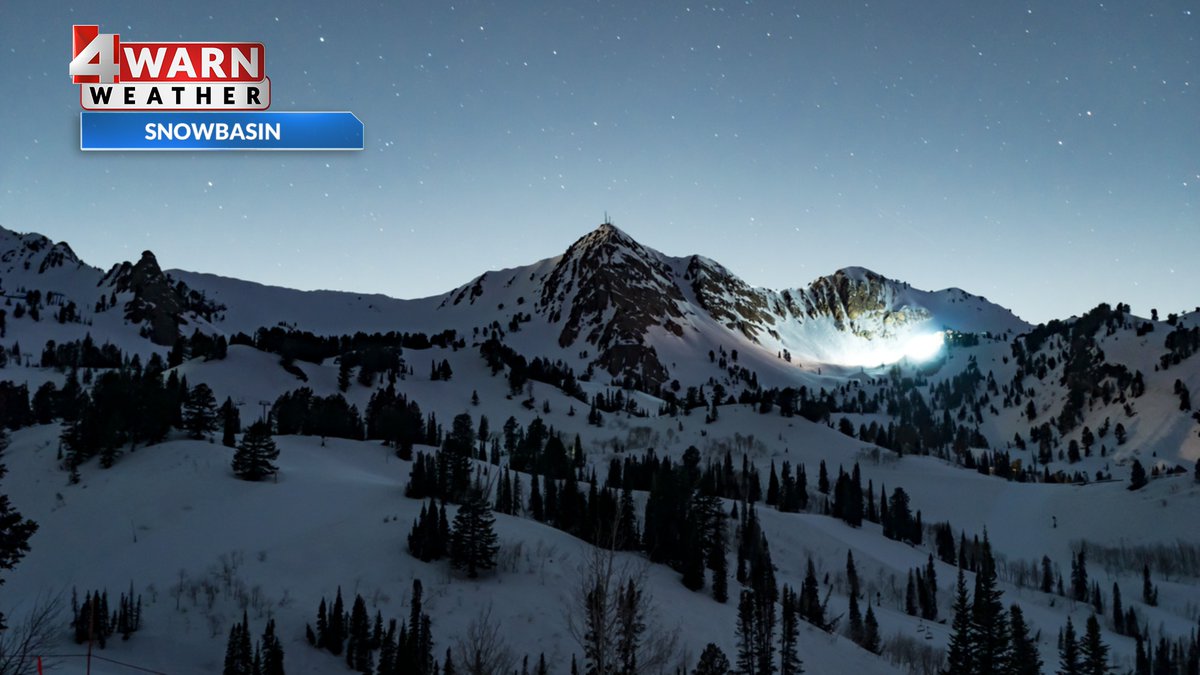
<point x="924" y="347"/>
<point x="914" y="348"/>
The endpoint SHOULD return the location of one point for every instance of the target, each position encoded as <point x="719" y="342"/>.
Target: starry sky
<point x="1045" y="154"/>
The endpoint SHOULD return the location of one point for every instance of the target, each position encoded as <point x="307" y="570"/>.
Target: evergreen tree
<point x="239" y="653"/>
<point x="809" y="605"/>
<point x="712" y="662"/>
<point x="1068" y="652"/>
<point x="960" y="657"/>
<point x="535" y="500"/>
<point x="1079" y="576"/>
<point x="854" y="614"/>
<point x="255" y="454"/>
<point x="455" y="458"/>
<point x="231" y="423"/>
<point x="773" y="487"/>
<point x="1047" y="575"/>
<point x="718" y="559"/>
<point x="1141" y="660"/>
<point x="928" y="598"/>
<point x="631" y="623"/>
<point x="272" y="650"/>
<point x="1137" y="476"/>
<point x="1118" y="612"/>
<point x="746" y="662"/>
<point x="343" y="379"/>
<point x="200" y="411"/>
<point x="870" y="639"/>
<point x="15" y="530"/>
<point x="1149" y="590"/>
<point x="910" y="596"/>
<point x="322" y="641"/>
<point x="1093" y="650"/>
<point x="990" y="638"/>
<point x="335" y="635"/>
<point x="358" y="648"/>
<point x="473" y="542"/>
<point x="1024" y="659"/>
<point x="789" y="662"/>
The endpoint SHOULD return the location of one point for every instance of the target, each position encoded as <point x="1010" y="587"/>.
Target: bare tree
<point x="611" y="615"/>
<point x="483" y="651"/>
<point x="21" y="643"/>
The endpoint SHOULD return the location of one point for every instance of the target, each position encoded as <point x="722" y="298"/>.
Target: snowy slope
<point x="338" y="515"/>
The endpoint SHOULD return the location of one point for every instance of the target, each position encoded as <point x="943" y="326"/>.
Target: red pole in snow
<point x="40" y="665"/>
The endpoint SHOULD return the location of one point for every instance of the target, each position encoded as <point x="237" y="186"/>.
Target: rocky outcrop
<point x="160" y="304"/>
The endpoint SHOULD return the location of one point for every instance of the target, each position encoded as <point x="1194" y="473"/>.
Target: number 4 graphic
<point x="96" y="56"/>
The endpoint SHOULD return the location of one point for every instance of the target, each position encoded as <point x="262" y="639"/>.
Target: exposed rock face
<point x="158" y="302"/>
<point x="20" y="252"/>
<point x="859" y="301"/>
<point x="728" y="299"/>
<point x="613" y="291"/>
<point x="631" y="311"/>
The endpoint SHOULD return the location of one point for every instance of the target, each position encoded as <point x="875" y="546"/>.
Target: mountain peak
<point x="858" y="273"/>
<point x="607" y="233"/>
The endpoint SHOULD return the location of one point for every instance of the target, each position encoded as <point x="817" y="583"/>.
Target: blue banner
<point x="220" y="131"/>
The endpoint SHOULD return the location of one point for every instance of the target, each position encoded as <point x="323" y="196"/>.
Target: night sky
<point x="1043" y="154"/>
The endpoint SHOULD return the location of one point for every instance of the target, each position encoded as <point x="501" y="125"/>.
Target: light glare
<point x="924" y="347"/>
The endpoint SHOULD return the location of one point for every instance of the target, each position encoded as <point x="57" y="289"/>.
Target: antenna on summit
<point x="606" y="220"/>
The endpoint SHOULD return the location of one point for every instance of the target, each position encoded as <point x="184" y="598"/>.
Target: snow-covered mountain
<point x="958" y="433"/>
<point x="608" y="302"/>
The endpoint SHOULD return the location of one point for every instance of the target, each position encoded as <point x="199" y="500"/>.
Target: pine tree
<point x="473" y="541"/>
<point x="1093" y="650"/>
<point x="746" y="662"/>
<point x="928" y="599"/>
<point x="693" y="553"/>
<point x="1118" y="612"/>
<point x="789" y="662"/>
<point x="1149" y="590"/>
<point x="15" y="530"/>
<point x="456" y="458"/>
<point x="1141" y="659"/>
<point x="200" y="411"/>
<point x="854" y="614"/>
<point x="712" y="662"/>
<point x="1047" y="575"/>
<point x="272" y="649"/>
<point x="870" y="639"/>
<point x="322" y="641"/>
<point x="231" y="423"/>
<point x="255" y="454"/>
<point x="535" y="500"/>
<point x="989" y="623"/>
<point x="1068" y="652"/>
<point x="960" y="652"/>
<point x="335" y="634"/>
<point x="773" y="487"/>
<point x="718" y="560"/>
<point x="239" y="652"/>
<point x="1137" y="476"/>
<point x="1025" y="659"/>
<point x="631" y="623"/>
<point x="1079" y="576"/>
<point x="810" y="607"/>
<point x="358" y="649"/>
<point x="910" y="596"/>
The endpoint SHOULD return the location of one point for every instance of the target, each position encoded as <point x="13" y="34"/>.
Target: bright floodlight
<point x="923" y="347"/>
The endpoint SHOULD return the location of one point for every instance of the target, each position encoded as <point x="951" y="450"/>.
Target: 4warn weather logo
<point x="190" y="96"/>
